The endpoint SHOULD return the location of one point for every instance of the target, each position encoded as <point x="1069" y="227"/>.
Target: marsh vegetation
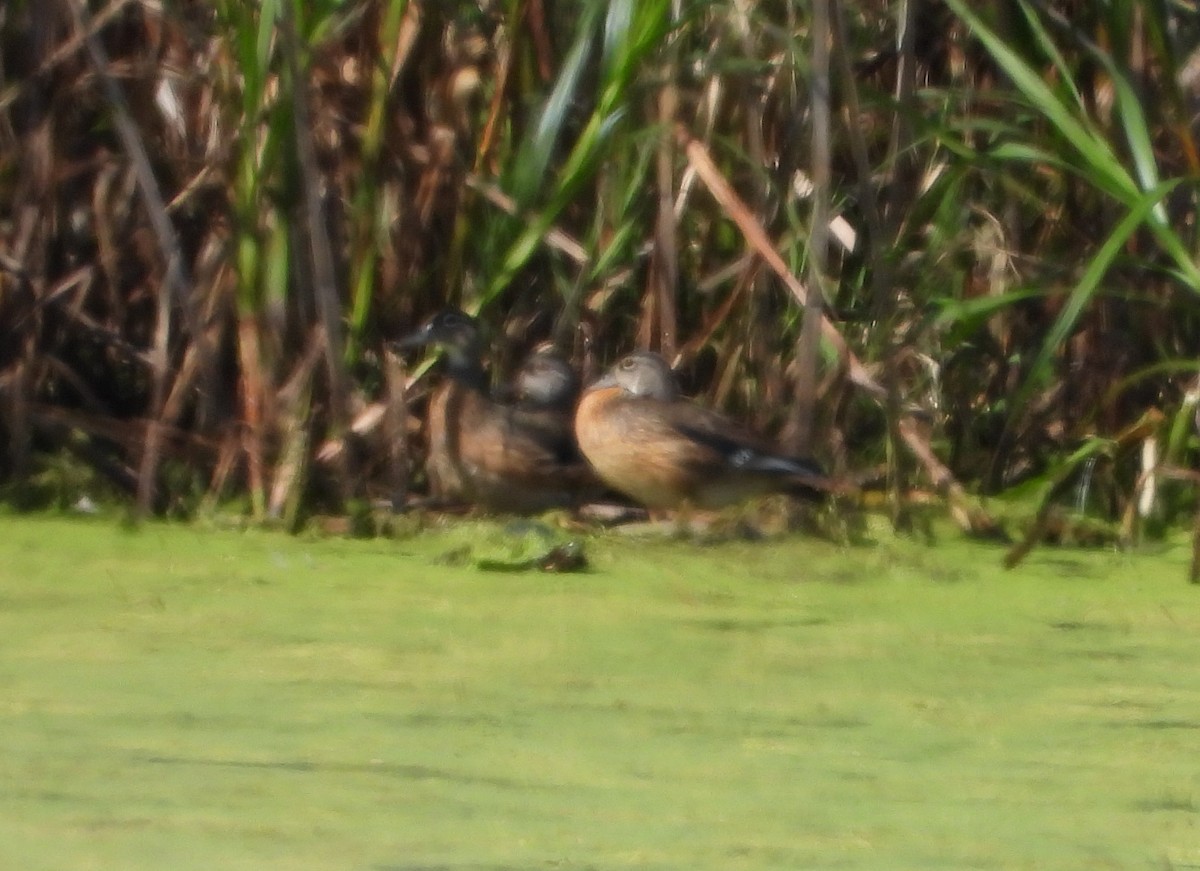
<point x="213" y="216"/>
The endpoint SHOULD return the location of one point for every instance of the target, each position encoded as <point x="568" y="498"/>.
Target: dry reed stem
<point x="396" y="429"/>
<point x="700" y="160"/>
<point x="808" y="341"/>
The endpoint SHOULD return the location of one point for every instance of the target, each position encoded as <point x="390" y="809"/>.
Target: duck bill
<point x="605" y="380"/>
<point x="418" y="339"/>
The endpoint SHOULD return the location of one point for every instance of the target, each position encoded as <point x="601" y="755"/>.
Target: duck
<point x="503" y="457"/>
<point x="645" y="440"/>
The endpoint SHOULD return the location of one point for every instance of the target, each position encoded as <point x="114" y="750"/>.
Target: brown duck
<point x="646" y="441"/>
<point x="517" y="458"/>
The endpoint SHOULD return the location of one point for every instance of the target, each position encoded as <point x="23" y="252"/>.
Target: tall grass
<point x="1012" y="254"/>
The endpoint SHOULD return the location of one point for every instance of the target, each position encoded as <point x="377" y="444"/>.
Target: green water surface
<point x="178" y="698"/>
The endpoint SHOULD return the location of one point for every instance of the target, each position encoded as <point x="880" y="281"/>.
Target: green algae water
<point x="176" y="698"/>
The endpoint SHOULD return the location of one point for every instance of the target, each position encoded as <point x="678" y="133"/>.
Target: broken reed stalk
<point x="723" y="192"/>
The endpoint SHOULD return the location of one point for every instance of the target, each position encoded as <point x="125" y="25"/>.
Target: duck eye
<point x="627" y="363"/>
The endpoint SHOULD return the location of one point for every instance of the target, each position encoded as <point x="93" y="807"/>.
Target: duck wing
<point x="742" y="453"/>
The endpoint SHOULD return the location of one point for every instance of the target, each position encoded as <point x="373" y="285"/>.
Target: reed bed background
<point x="213" y="216"/>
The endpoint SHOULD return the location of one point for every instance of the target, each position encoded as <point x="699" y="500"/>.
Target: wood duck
<point x="644" y="440"/>
<point x="505" y="458"/>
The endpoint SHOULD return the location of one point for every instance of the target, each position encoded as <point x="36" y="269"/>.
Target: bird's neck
<point x="465" y="367"/>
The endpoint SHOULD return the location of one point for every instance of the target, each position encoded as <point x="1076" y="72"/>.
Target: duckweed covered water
<point x="177" y="698"/>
